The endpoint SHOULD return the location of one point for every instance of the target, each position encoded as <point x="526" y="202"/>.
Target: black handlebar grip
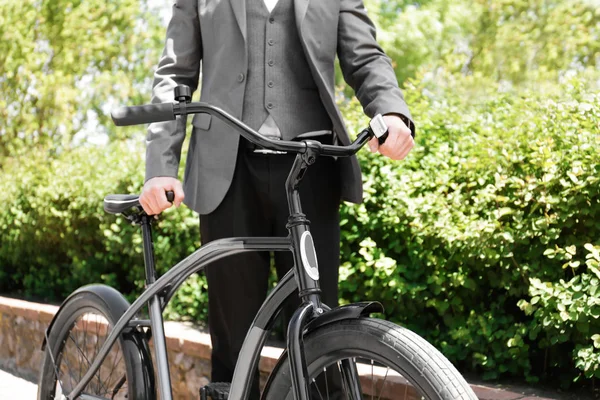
<point x="170" y="196"/>
<point x="382" y="138"/>
<point x="137" y="115"/>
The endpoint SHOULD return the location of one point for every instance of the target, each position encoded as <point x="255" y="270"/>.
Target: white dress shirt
<point x="270" y="4"/>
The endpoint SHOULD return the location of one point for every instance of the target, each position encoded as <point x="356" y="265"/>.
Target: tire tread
<point x="441" y="379"/>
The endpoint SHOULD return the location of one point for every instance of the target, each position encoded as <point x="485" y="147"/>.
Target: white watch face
<point x="308" y="255"/>
<point x="378" y="125"/>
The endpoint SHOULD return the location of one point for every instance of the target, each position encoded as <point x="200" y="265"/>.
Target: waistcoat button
<point x="241" y="78"/>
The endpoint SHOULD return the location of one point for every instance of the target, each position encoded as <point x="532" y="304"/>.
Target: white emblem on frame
<point x="312" y="271"/>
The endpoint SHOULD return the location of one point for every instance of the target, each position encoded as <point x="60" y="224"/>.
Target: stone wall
<point x="23" y="323"/>
<point x="22" y="327"/>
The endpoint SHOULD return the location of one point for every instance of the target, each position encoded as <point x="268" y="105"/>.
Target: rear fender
<point x="114" y="299"/>
<point x="135" y="345"/>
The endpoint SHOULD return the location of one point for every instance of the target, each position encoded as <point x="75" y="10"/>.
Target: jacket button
<point x="270" y="105"/>
<point x="270" y="42"/>
<point x="241" y="78"/>
<point x="270" y="84"/>
<point x="270" y="63"/>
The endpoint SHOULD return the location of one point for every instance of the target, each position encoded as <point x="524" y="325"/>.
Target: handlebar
<point x="146" y="114"/>
<point x="135" y="115"/>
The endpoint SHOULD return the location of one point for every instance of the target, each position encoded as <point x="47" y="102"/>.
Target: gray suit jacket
<point x="214" y="32"/>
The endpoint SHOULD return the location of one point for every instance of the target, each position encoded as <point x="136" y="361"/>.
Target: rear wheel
<point x="392" y="362"/>
<point x="79" y="331"/>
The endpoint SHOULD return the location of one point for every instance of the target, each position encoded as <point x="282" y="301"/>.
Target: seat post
<point x="148" y="250"/>
<point x="156" y="320"/>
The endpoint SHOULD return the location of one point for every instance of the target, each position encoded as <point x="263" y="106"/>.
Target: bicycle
<point x="325" y="347"/>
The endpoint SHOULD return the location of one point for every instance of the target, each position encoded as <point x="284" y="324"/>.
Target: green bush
<point x="569" y="311"/>
<point x="56" y="235"/>
<point x="485" y="240"/>
<point x="458" y="239"/>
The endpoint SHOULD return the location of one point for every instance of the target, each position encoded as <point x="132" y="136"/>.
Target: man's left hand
<point x="399" y="141"/>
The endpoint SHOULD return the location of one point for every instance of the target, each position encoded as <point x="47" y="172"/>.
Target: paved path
<point x="13" y="387"/>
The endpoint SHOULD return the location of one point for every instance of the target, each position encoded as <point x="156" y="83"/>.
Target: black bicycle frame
<point x="306" y="281"/>
<point x="299" y="242"/>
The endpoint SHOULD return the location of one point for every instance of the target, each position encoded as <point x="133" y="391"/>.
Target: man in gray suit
<point x="269" y="63"/>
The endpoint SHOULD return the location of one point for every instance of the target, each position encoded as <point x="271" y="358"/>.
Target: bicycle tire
<point x="139" y="374"/>
<point x="417" y="361"/>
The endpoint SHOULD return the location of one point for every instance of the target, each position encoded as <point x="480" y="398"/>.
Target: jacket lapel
<point x="300" y="7"/>
<point x="239" y="10"/>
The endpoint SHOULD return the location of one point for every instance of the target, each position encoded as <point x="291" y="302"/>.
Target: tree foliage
<point x="62" y="63"/>
<point x="512" y="40"/>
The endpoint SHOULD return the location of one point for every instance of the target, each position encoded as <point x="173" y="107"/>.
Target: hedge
<point x="56" y="235"/>
<point x="485" y="240"/>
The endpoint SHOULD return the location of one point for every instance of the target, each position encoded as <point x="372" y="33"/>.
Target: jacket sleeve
<point x="365" y="66"/>
<point x="178" y="65"/>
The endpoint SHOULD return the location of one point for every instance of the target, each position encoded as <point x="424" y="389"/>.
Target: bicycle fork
<point x="298" y="369"/>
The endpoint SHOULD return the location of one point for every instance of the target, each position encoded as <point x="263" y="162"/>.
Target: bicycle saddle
<point x="124" y="203"/>
<point x="120" y="203"/>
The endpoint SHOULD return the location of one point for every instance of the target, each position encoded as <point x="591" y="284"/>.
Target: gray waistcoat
<point x="279" y="80"/>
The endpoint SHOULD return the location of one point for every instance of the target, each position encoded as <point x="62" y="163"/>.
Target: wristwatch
<point x="379" y="128"/>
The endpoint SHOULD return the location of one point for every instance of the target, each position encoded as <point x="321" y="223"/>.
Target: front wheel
<point x="392" y="362"/>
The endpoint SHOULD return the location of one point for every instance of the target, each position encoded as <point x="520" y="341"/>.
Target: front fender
<point x="348" y="311"/>
<point x="345" y="312"/>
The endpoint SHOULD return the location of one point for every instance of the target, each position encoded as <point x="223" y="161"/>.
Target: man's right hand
<point x="154" y="199"/>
